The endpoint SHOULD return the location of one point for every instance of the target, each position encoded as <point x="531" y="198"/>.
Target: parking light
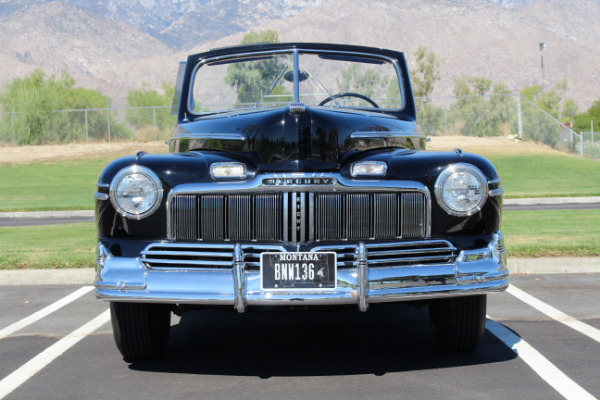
<point x="228" y="170"/>
<point x="368" y="168"/>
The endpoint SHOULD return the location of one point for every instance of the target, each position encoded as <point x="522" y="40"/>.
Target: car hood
<point x="297" y="138"/>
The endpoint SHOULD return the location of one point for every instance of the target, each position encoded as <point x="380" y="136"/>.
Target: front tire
<point x="141" y="330"/>
<point x="458" y="323"/>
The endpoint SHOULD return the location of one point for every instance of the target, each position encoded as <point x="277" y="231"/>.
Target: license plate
<point x="298" y="270"/>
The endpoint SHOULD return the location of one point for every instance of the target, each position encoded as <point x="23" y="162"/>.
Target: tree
<point x="427" y="72"/>
<point x="252" y="78"/>
<point x="150" y="99"/>
<point x="425" y="75"/>
<point x="268" y="36"/>
<point x="38" y="111"/>
<point x="368" y="82"/>
<point x="583" y="121"/>
<point x="478" y="112"/>
<point x="551" y="101"/>
<point x="536" y="125"/>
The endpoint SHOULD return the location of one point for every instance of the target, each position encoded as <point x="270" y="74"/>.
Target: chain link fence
<point x="503" y="115"/>
<point x="481" y="116"/>
<point x="85" y="125"/>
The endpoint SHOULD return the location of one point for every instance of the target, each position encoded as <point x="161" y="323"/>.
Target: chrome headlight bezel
<point x="479" y="195"/>
<point x="143" y="173"/>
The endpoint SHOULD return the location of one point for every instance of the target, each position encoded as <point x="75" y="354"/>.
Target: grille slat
<point x="212" y="217"/>
<point x="300" y="216"/>
<point x="184" y="215"/>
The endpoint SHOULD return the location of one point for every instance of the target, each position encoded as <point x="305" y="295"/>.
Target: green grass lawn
<point x="69" y="185"/>
<point x="48" y="246"/>
<point x="552" y="233"/>
<point x="527" y="233"/>
<point x="66" y="185"/>
<point x="544" y="175"/>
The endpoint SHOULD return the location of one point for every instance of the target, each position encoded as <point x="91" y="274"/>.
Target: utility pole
<point x="542" y="47"/>
<point x="108" y="117"/>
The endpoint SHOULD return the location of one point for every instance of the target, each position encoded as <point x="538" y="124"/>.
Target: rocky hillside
<point x="115" y="45"/>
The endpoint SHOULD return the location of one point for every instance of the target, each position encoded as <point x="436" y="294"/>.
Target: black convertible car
<point x="297" y="176"/>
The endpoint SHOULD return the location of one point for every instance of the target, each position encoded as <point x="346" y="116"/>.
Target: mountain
<point x="474" y="38"/>
<point x="115" y="45"/>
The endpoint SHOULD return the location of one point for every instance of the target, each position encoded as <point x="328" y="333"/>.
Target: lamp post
<point x="542" y="47"/>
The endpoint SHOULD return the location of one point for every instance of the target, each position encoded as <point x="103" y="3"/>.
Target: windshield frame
<point x="296" y="53"/>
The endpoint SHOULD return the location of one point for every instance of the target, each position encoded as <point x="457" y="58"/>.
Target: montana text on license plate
<point x="298" y="270"/>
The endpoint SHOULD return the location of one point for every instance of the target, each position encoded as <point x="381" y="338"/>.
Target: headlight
<point x="461" y="190"/>
<point x="136" y="192"/>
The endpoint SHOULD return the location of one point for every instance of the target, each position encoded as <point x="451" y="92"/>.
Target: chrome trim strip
<point x="494" y="182"/>
<point x="340" y="184"/>
<point x="311" y="217"/>
<point x="100" y="196"/>
<point x="210" y="136"/>
<point x="384" y="135"/>
<point x="302" y="217"/>
<point x="496" y="192"/>
<point x="294" y="213"/>
<point x="286" y="217"/>
<point x="103" y="185"/>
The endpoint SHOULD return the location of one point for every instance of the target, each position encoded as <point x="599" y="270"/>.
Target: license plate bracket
<point x="298" y="271"/>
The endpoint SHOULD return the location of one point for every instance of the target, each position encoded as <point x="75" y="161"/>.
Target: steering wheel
<point x="349" y="94"/>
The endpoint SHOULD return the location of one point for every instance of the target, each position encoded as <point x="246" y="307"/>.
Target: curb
<point x="22" y="277"/>
<point x="516" y="266"/>
<point x="552" y="201"/>
<point x="47" y="214"/>
<point x="549" y="265"/>
<point x="508" y="202"/>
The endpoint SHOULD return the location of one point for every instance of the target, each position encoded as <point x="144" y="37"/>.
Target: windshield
<point x="268" y="80"/>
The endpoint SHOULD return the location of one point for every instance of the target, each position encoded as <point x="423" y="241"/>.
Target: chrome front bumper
<point x="472" y="272"/>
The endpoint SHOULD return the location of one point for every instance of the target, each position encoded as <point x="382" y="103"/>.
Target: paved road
<point x="69" y="217"/>
<point x="385" y="353"/>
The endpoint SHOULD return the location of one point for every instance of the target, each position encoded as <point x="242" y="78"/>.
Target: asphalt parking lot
<point x="542" y="342"/>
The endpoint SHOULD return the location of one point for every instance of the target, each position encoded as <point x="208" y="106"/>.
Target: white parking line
<point x="37" y="363"/>
<point x="555" y="314"/>
<point x="44" y="312"/>
<point x="540" y="364"/>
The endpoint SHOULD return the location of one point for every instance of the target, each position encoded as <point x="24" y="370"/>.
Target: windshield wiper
<point x="275" y="82"/>
<point x="320" y="85"/>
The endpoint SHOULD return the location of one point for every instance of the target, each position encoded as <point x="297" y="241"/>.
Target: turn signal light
<point x="228" y="170"/>
<point x="368" y="168"/>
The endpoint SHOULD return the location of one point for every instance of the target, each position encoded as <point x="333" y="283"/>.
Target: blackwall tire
<point x="458" y="323"/>
<point x="141" y="330"/>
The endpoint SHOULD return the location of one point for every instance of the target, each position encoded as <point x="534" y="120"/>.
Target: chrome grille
<point x="201" y="255"/>
<point x="175" y="255"/>
<point x="411" y="253"/>
<point x="379" y="255"/>
<point x="396" y="253"/>
<point x="298" y="217"/>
